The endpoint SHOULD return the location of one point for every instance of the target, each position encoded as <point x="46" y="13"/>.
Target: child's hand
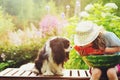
<point x="112" y="50"/>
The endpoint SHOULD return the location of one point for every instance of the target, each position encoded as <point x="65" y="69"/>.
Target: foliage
<point x="5" y="64"/>
<point x="6" y="25"/>
<point x="104" y="16"/>
<point x="50" y="26"/>
<point x="75" y="61"/>
<point x="117" y="2"/>
<point x="19" y="54"/>
<point x="5" y="21"/>
<point x="39" y="9"/>
<point x="26" y="36"/>
<point x="25" y="12"/>
<point x="21" y="47"/>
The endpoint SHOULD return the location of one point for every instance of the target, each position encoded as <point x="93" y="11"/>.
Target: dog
<point x="51" y="57"/>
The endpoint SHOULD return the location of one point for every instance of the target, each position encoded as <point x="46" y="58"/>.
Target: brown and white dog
<point x="51" y="58"/>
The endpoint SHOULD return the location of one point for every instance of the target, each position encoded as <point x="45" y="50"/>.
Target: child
<point x="90" y="39"/>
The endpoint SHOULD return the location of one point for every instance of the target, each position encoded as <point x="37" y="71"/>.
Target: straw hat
<point x="86" y="32"/>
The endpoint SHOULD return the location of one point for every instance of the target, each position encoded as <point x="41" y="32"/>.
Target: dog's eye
<point x="66" y="45"/>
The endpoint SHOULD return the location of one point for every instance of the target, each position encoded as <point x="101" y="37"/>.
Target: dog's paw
<point x="59" y="73"/>
<point x="48" y="73"/>
<point x="35" y="71"/>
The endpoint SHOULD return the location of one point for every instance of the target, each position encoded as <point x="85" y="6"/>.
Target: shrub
<point x="50" y="26"/>
<point x="18" y="55"/>
<point x="75" y="61"/>
<point x="22" y="47"/>
<point x="6" y="25"/>
<point x="104" y="16"/>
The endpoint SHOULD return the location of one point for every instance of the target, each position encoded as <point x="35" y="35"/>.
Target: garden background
<point x="25" y="25"/>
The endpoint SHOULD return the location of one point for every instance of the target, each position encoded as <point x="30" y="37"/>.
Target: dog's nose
<point x="71" y="47"/>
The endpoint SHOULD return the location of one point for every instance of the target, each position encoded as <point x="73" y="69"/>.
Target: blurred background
<point x="25" y="25"/>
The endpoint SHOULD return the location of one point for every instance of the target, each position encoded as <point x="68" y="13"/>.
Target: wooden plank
<point x="19" y="73"/>
<point x="82" y="73"/>
<point x="66" y="73"/>
<point x="88" y="73"/>
<point x="26" y="73"/>
<point x="2" y="73"/>
<point x="33" y="74"/>
<point x="12" y="72"/>
<point x="74" y="73"/>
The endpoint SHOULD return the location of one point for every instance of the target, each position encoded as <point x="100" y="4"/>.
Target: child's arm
<point x="113" y="43"/>
<point x="110" y="50"/>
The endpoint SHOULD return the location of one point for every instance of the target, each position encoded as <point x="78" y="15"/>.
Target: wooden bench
<point x="18" y="74"/>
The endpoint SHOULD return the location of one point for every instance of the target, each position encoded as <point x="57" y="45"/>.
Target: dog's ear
<point x="58" y="51"/>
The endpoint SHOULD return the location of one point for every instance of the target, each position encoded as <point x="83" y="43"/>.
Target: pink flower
<point x="49" y="23"/>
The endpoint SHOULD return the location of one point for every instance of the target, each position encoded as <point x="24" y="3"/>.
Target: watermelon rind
<point x="105" y="60"/>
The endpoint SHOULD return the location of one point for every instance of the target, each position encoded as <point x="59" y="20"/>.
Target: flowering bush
<point x="22" y="47"/>
<point x="18" y="55"/>
<point x="6" y="25"/>
<point x="104" y="16"/>
<point x="26" y="36"/>
<point x="50" y="25"/>
<point x="111" y="6"/>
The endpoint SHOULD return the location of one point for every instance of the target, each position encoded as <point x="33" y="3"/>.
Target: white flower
<point x="83" y="14"/>
<point x="89" y="7"/>
<point x="111" y="5"/>
<point x="77" y="3"/>
<point x="14" y="53"/>
<point x="105" y="14"/>
<point x="14" y="38"/>
<point x="3" y="56"/>
<point x="47" y="8"/>
<point x="67" y="6"/>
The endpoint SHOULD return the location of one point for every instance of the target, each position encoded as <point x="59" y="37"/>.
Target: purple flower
<point x="49" y="24"/>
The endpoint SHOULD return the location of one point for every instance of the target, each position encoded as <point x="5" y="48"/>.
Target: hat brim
<point x="82" y="40"/>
